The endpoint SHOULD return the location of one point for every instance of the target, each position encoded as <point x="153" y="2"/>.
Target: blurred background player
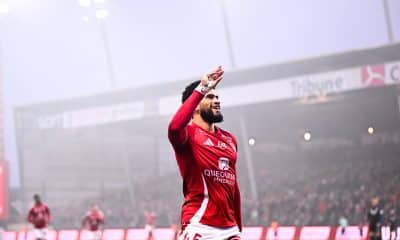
<point x="393" y="223"/>
<point x="274" y="227"/>
<point x="39" y="216"/>
<point x="375" y="219"/>
<point x="361" y="230"/>
<point x="150" y="218"/>
<point x="343" y="223"/>
<point x="93" y="221"/>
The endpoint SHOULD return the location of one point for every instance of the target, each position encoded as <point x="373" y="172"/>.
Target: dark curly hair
<point x="189" y="90"/>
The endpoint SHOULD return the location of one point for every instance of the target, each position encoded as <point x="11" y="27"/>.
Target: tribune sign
<point x="297" y="87"/>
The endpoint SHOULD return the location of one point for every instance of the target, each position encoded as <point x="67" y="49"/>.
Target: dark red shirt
<point x="150" y="218"/>
<point x="92" y="220"/>
<point x="39" y="215"/>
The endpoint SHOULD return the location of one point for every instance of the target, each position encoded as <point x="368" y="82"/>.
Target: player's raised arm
<point x="176" y="130"/>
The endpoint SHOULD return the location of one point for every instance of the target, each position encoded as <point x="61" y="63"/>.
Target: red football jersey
<point x="93" y="220"/>
<point x="39" y="215"/>
<point x="150" y="218"/>
<point x="207" y="164"/>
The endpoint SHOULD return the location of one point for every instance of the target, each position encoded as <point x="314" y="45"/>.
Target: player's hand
<point x="211" y="79"/>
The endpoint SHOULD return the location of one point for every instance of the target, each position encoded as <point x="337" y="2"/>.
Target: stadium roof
<point x="265" y="73"/>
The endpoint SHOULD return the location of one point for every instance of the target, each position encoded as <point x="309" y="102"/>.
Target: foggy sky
<point x="48" y="52"/>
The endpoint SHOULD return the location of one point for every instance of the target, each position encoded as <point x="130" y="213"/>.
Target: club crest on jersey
<point x="223" y="163"/>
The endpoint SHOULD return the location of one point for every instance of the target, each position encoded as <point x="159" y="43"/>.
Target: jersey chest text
<point x="216" y="156"/>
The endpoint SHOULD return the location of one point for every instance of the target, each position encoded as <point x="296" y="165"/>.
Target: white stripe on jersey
<point x="199" y="214"/>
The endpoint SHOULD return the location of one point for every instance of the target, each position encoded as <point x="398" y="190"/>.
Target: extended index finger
<point x="217" y="73"/>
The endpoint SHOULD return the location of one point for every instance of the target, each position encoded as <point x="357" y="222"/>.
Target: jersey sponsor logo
<point x="223" y="163"/>
<point x="208" y="142"/>
<point x="221" y="176"/>
<point x="229" y="141"/>
<point x="221" y="145"/>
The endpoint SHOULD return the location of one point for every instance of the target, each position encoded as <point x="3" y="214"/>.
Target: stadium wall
<point x="249" y="233"/>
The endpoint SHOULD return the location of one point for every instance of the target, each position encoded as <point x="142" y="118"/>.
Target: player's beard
<point x="208" y="116"/>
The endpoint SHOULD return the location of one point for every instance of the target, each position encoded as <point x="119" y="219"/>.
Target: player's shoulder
<point x="226" y="134"/>
<point x="192" y="129"/>
<point x="223" y="131"/>
<point x="191" y="126"/>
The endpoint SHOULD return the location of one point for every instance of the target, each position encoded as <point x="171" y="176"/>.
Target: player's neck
<point x="210" y="127"/>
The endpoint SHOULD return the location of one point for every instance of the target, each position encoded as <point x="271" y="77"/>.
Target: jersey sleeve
<point x="177" y="132"/>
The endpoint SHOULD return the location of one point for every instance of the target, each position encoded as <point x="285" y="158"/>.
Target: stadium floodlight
<point x="84" y="3"/>
<point x="101" y="13"/>
<point x="307" y="136"/>
<point x="252" y="141"/>
<point x="227" y="31"/>
<point x="371" y="130"/>
<point x="95" y="7"/>
<point x="4" y="8"/>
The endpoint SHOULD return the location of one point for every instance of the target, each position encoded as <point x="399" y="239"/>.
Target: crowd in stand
<point x="311" y="188"/>
<point x="321" y="187"/>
